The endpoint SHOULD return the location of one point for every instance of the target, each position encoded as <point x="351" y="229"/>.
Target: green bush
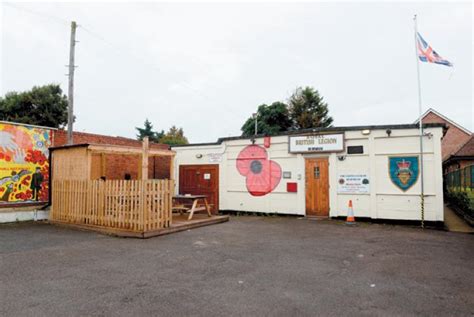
<point x="461" y="200"/>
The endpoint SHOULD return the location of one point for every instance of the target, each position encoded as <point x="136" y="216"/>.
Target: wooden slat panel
<point x="136" y="205"/>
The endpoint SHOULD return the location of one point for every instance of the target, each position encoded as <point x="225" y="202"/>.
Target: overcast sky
<point x="206" y="67"/>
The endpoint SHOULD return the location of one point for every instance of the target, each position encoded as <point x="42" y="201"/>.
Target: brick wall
<point x="116" y="165"/>
<point x="60" y="138"/>
<point x="159" y="167"/>
<point x="454" y="138"/>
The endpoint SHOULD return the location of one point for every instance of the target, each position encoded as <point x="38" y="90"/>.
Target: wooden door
<point x="317" y="187"/>
<point x="201" y="180"/>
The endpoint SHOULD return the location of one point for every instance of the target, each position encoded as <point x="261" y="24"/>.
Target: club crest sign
<point x="404" y="171"/>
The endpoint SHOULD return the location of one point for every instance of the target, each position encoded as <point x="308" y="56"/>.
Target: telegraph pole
<point x="70" y="112"/>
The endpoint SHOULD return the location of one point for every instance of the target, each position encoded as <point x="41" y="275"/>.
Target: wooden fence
<point x="133" y="205"/>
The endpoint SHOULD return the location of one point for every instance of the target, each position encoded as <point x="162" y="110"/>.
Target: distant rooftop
<point x="431" y="110"/>
<point x="467" y="149"/>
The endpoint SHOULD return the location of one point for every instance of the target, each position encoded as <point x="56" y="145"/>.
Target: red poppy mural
<point x="262" y="175"/>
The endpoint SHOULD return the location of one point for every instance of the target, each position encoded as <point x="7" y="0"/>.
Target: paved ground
<point x="248" y="266"/>
<point x="455" y="223"/>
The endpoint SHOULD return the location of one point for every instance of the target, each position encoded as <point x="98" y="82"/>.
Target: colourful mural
<point x="24" y="166"/>
<point x="262" y="175"/>
<point x="403" y="171"/>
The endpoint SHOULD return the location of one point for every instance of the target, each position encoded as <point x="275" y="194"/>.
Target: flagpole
<point x="422" y="196"/>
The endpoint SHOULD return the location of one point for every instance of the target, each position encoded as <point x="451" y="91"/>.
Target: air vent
<point x="355" y="149"/>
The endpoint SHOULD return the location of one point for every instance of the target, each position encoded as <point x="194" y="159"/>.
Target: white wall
<point x="15" y="216"/>
<point x="385" y="200"/>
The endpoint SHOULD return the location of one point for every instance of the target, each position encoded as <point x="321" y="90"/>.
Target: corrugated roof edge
<point x="68" y="146"/>
<point x="99" y="144"/>
<point x="330" y="129"/>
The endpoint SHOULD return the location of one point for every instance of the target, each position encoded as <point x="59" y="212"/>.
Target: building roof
<point x="316" y="130"/>
<point x="467" y="149"/>
<point x="465" y="152"/>
<point x="52" y="148"/>
<point x="431" y="110"/>
<point x="60" y="138"/>
<point x="113" y="148"/>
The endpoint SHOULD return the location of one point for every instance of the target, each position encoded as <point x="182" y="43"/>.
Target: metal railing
<point x="461" y="179"/>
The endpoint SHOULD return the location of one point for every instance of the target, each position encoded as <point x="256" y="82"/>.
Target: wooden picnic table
<point x="195" y="199"/>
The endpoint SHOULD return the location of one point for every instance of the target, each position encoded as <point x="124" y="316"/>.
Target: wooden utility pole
<point x="70" y="113"/>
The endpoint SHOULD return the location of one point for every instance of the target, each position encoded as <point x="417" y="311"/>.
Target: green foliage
<point x="305" y="109"/>
<point x="272" y="120"/>
<point x="308" y="110"/>
<point x="42" y="105"/>
<point x="147" y="131"/>
<point x="174" y="136"/>
<point x="461" y="200"/>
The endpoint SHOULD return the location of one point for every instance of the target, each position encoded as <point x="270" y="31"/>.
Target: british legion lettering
<point x="305" y="142"/>
<point x="311" y="140"/>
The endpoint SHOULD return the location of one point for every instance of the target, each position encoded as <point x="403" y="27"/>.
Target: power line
<point x="41" y="14"/>
<point x="100" y="37"/>
<point x="62" y="21"/>
<point x="115" y="47"/>
<point x="182" y="83"/>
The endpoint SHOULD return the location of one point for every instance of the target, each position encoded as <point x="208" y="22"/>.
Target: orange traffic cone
<point x="350" y="220"/>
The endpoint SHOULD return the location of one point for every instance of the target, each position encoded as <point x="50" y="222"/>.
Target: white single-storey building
<point x="317" y="172"/>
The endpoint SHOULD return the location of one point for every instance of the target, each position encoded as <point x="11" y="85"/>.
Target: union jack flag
<point x="427" y="54"/>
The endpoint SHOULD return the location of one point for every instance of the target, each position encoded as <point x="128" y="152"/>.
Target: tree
<point x="42" y="105"/>
<point x="147" y="130"/>
<point x="271" y="120"/>
<point x="307" y="109"/>
<point x="174" y="136"/>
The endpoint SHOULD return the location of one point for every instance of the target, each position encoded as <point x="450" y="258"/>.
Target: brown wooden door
<point x="201" y="180"/>
<point x="317" y="187"/>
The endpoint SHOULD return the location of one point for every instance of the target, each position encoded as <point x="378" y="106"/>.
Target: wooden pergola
<point x="81" y="198"/>
<point x="77" y="162"/>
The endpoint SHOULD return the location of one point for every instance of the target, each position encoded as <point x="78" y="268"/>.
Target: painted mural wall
<point x="24" y="166"/>
<point x="262" y="175"/>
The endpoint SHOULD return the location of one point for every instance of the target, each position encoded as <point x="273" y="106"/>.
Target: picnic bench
<point x="194" y="199"/>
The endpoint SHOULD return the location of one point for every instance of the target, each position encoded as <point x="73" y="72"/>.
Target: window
<point x="316" y="172"/>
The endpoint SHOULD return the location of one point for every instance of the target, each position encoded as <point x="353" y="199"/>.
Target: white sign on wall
<point x="316" y="143"/>
<point x="353" y="184"/>
<point x="215" y="157"/>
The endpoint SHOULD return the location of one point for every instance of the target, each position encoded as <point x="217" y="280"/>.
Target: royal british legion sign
<point x="316" y="143"/>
